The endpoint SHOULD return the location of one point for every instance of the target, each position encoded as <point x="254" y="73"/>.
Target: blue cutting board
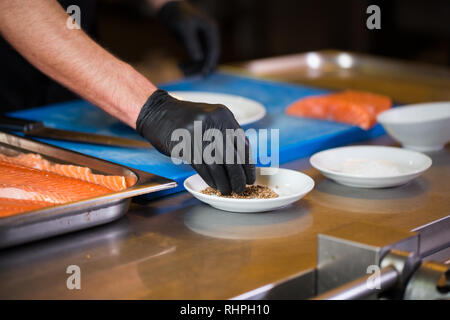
<point x="298" y="137"/>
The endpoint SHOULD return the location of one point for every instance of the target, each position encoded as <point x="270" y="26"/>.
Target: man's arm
<point x="38" y="31"/>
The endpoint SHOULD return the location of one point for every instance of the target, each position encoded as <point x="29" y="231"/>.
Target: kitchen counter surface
<point x="178" y="248"/>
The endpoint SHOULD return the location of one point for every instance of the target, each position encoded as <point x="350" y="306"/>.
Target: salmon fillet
<point x="353" y="107"/>
<point x="35" y="161"/>
<point x="29" y="182"/>
<point x="22" y="183"/>
<point x="9" y="207"/>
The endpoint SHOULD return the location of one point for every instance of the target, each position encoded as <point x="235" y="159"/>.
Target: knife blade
<point x="38" y="129"/>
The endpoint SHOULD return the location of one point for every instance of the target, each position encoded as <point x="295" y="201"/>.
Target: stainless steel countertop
<point x="166" y="248"/>
<point x="176" y="247"/>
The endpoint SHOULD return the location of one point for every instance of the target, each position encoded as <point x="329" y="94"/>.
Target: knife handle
<point x="16" y="124"/>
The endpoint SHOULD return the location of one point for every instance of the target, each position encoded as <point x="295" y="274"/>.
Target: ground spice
<point x="250" y="192"/>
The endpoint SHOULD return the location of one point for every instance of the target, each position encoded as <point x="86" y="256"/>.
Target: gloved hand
<point x="197" y="32"/>
<point x="162" y="114"/>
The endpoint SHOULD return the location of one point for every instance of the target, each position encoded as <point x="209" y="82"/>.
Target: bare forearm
<point x="37" y="30"/>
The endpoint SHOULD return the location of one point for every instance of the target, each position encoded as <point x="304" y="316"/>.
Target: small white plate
<point x="290" y="186"/>
<point x="244" y="110"/>
<point x="370" y="166"/>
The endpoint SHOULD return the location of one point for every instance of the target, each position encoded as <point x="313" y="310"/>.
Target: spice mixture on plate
<point x="250" y="192"/>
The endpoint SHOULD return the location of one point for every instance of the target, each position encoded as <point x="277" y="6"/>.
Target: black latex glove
<point x="162" y="114"/>
<point x="196" y="31"/>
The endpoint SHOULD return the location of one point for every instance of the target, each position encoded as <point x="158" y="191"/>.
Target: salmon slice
<point x="23" y="183"/>
<point x="374" y="103"/>
<point x="352" y="114"/>
<point x="353" y="107"/>
<point x="9" y="207"/>
<point x="35" y="161"/>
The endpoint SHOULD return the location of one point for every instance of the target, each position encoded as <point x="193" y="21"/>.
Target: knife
<point x="38" y="129"/>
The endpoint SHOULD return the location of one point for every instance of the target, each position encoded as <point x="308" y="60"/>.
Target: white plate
<point x="245" y="110"/>
<point x="422" y="127"/>
<point x="290" y="186"/>
<point x="370" y="166"/>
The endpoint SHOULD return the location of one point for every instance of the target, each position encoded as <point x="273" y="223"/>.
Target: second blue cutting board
<point x="298" y="137"/>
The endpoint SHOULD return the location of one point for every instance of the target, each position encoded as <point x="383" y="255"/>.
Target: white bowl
<point x="370" y="166"/>
<point x="290" y="185"/>
<point x="422" y="127"/>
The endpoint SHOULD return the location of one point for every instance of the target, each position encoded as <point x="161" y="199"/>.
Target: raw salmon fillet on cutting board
<point x="29" y="182"/>
<point x="353" y="107"/>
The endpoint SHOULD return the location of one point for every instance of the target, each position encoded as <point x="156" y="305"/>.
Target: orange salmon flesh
<point x="29" y="182"/>
<point x="352" y="107"/>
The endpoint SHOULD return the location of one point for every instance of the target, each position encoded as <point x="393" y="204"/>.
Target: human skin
<point x="38" y="31"/>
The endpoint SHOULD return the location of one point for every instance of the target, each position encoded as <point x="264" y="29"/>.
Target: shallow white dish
<point x="370" y="166"/>
<point x="290" y="185"/>
<point x="244" y="110"/>
<point x="422" y="127"/>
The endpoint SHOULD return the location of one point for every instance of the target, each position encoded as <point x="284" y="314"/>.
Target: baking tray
<point x="404" y="82"/>
<point x="64" y="218"/>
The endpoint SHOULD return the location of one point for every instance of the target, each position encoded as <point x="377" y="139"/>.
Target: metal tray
<point x="64" y="218"/>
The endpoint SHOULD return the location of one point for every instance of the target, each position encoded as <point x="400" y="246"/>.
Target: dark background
<point x="416" y="30"/>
